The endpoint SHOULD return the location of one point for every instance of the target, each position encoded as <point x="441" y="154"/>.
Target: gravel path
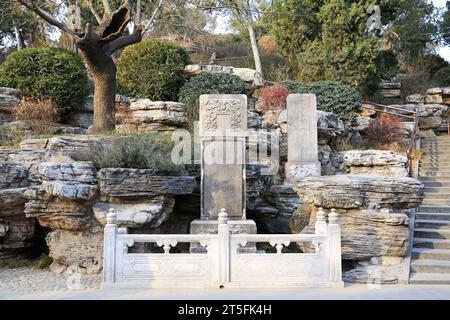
<point x="31" y="279"/>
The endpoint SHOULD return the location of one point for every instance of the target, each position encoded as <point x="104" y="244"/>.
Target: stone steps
<point x="434" y="166"/>
<point x="430" y="266"/>
<point x="437" y="196"/>
<point x="425" y="278"/>
<point x="432" y="233"/>
<point x="440" y="202"/>
<point x="433" y="224"/>
<point x="434" y="173"/>
<point x="436" y="184"/>
<point x="434" y="209"/>
<point x="431" y="254"/>
<point x="433" y="216"/>
<point x="437" y="190"/>
<point x="431" y="243"/>
<point x="435" y="179"/>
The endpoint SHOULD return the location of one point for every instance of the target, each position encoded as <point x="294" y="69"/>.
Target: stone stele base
<point x="210" y="227"/>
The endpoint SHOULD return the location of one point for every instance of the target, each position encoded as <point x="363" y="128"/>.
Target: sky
<point x="444" y="51"/>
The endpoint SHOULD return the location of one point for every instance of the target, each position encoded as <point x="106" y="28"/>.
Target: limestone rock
<point x="10" y="92"/>
<point x="68" y="144"/>
<point x="81" y="119"/>
<point x="433" y="122"/>
<point x="366" y="233"/>
<point x="13" y="175"/>
<point x="8" y="102"/>
<point x="248" y="75"/>
<point x="120" y="182"/>
<point x="12" y="202"/>
<point x="367" y="111"/>
<point x="149" y="114"/>
<point x="28" y="158"/>
<point x="75" y="180"/>
<point x="83" y="249"/>
<point x="415" y="98"/>
<point x="328" y="125"/>
<point x="361" y="191"/>
<point x="17" y="126"/>
<point x="363" y="123"/>
<point x="16" y="231"/>
<point x="373" y="274"/>
<point x="434" y="95"/>
<point x="283" y="198"/>
<point x="136" y="214"/>
<point x="88" y="104"/>
<point x="55" y="212"/>
<point x="375" y="162"/>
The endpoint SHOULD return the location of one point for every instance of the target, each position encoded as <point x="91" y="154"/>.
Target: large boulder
<point x="9" y="99"/>
<point x="29" y="158"/>
<point x="75" y="180"/>
<point x="81" y="249"/>
<point x="250" y="76"/>
<point x="13" y="175"/>
<point x="361" y="191"/>
<point x="56" y="212"/>
<point x="137" y="214"/>
<point x="375" y="162"/>
<point x="121" y="182"/>
<point x="148" y="115"/>
<point x="372" y="212"/>
<point x="16" y="231"/>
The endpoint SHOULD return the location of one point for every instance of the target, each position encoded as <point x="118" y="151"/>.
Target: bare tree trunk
<point x="19" y="38"/>
<point x="255" y="48"/>
<point x="103" y="72"/>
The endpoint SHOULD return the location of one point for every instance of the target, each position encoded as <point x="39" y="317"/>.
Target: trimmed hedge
<point x="47" y="73"/>
<point x="331" y="96"/>
<point x="152" y="69"/>
<point x="208" y="83"/>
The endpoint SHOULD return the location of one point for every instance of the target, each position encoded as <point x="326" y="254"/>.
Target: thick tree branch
<point x="107" y="6"/>
<point x="113" y="26"/>
<point x="94" y="12"/>
<point x="124" y="41"/>
<point x="151" y="22"/>
<point x="47" y="17"/>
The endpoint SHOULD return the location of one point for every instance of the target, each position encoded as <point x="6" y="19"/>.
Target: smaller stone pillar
<point x="303" y="154"/>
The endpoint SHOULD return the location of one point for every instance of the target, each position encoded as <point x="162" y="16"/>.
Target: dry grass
<point x="39" y="115"/>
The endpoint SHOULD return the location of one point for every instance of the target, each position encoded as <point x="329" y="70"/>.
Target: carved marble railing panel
<point x="224" y="264"/>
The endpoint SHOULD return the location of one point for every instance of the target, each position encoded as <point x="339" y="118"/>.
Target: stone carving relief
<point x="227" y="107"/>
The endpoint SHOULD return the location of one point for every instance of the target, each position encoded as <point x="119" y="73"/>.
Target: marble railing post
<point x="224" y="247"/>
<point x="334" y="234"/>
<point x="109" y="247"/>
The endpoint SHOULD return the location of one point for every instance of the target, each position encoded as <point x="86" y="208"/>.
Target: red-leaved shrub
<point x="273" y="98"/>
<point x="384" y="130"/>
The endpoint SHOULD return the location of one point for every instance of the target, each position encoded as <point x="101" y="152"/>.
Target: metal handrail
<point x="414" y="115"/>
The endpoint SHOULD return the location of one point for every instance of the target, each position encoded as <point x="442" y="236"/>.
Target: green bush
<point x="47" y="73"/>
<point x="208" y="83"/>
<point x="442" y="77"/>
<point x="137" y="151"/>
<point x="331" y="96"/>
<point x="152" y="69"/>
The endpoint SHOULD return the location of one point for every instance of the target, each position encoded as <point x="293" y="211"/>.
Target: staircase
<point x="430" y="260"/>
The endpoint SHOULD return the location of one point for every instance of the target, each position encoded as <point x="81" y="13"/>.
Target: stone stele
<point x="303" y="155"/>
